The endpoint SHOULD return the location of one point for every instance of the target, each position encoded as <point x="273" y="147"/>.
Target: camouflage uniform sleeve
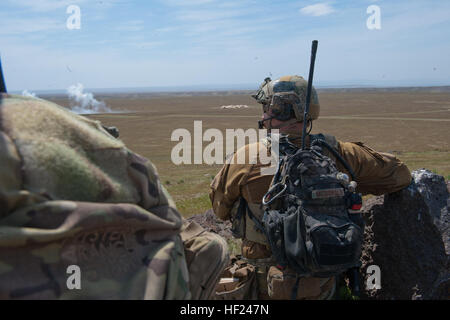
<point x="11" y="194"/>
<point x="145" y="177"/>
<point x="123" y="250"/>
<point x="206" y="256"/>
<point x="376" y="172"/>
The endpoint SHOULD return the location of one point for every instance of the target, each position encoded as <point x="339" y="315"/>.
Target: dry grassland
<point x="412" y="125"/>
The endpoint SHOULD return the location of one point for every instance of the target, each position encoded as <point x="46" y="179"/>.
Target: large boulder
<point x="407" y="236"/>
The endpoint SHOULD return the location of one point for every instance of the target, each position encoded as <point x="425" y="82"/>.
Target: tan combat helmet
<point x="286" y="98"/>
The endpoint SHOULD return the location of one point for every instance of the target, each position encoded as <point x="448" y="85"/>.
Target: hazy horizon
<point x="206" y="88"/>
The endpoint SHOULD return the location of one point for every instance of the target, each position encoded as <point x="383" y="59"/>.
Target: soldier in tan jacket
<point x="377" y="173"/>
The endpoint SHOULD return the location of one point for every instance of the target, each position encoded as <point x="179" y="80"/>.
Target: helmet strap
<point x="284" y="124"/>
<point x="261" y="122"/>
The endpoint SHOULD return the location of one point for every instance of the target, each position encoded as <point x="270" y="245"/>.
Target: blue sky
<point x="211" y="43"/>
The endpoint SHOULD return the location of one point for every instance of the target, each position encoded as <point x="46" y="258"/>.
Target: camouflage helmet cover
<point x="285" y="87"/>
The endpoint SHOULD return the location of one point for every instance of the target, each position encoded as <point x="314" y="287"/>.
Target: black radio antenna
<point x="308" y="93"/>
<point x="2" y="79"/>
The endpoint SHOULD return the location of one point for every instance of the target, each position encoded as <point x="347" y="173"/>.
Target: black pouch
<point x="321" y="245"/>
<point x="295" y="242"/>
<point x="238" y="221"/>
<point x="273" y="224"/>
<point x="333" y="243"/>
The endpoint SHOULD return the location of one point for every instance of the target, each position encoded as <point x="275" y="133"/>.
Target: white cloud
<point x="146" y="44"/>
<point x="187" y="2"/>
<point x="52" y="5"/>
<point x="135" y="25"/>
<point x="14" y="26"/>
<point x="166" y="29"/>
<point x="208" y="15"/>
<point x="316" y="10"/>
<point x="45" y="5"/>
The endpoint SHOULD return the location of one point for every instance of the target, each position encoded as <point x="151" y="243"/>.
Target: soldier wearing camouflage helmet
<point x="72" y="195"/>
<point x="286" y="97"/>
<point x="283" y="102"/>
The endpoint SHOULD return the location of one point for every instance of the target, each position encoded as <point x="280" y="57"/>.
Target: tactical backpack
<point x="312" y="219"/>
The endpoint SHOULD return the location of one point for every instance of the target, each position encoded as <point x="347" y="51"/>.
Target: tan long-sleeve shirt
<point x="376" y="173"/>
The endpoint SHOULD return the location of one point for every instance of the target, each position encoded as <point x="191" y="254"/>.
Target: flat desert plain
<point x="412" y="124"/>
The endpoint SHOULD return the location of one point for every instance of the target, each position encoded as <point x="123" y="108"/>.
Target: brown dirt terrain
<point x="413" y="125"/>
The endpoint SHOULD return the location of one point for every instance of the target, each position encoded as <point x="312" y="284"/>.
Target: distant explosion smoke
<point x="84" y="102"/>
<point x="27" y="93"/>
<point x="235" y="106"/>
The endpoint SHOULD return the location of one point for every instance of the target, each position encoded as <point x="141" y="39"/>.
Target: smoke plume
<point x="27" y="93"/>
<point x="84" y="102"/>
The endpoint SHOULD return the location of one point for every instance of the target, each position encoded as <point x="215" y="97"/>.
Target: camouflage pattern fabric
<point x="71" y="194"/>
<point x="206" y="256"/>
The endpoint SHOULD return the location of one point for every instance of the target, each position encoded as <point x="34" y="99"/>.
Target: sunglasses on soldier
<point x="284" y="105"/>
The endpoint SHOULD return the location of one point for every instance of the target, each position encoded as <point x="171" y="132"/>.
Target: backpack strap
<point x="331" y="145"/>
<point x="241" y="209"/>
<point x="331" y="140"/>
<point x="285" y="146"/>
<point x="254" y="229"/>
<point x="295" y="288"/>
<point x="258" y="225"/>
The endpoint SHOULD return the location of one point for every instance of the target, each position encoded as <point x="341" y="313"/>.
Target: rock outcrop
<point x="210" y="222"/>
<point x="407" y="236"/>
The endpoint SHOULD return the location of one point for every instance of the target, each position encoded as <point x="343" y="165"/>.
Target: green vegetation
<point x="194" y="205"/>
<point x="189" y="186"/>
<point x="344" y="293"/>
<point x="436" y="161"/>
